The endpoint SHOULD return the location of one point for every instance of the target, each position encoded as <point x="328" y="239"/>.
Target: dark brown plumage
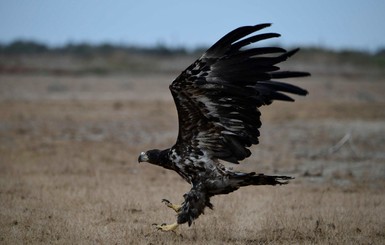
<point x="217" y="99"/>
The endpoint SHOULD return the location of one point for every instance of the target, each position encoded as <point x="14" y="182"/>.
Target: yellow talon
<point x="174" y="207"/>
<point x="165" y="227"/>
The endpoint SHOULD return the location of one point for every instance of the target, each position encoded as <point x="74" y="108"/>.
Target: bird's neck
<point x="164" y="160"/>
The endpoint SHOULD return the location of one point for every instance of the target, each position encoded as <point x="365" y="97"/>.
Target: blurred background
<point x="109" y="34"/>
<point x="84" y="89"/>
<point x="334" y="25"/>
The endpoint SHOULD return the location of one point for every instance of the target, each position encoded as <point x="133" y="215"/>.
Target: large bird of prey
<point x="217" y="99"/>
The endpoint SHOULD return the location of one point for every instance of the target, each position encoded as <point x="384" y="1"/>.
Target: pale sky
<point x="334" y="24"/>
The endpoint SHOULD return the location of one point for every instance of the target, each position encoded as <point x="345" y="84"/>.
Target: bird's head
<point x="151" y="156"/>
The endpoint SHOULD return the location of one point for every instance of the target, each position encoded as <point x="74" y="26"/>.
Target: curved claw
<point x="174" y="207"/>
<point x="165" y="227"/>
<point x="165" y="201"/>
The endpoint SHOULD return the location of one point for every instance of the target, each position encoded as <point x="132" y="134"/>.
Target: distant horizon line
<point x="173" y="48"/>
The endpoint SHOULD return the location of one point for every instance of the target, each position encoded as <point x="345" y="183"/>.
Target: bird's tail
<point x="261" y="179"/>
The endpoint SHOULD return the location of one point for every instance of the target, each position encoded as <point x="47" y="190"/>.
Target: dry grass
<point x="68" y="170"/>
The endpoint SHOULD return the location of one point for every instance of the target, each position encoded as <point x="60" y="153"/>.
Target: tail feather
<point x="261" y="179"/>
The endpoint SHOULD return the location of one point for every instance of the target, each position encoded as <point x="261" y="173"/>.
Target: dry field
<point x="69" y="171"/>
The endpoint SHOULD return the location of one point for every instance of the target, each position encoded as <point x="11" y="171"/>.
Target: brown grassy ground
<point x="69" y="171"/>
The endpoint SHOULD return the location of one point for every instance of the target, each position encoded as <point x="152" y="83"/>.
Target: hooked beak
<point x="142" y="157"/>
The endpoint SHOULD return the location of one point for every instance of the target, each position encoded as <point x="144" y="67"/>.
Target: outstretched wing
<point x="217" y="97"/>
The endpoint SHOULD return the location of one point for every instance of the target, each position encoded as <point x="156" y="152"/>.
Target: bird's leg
<point x="165" y="227"/>
<point x="171" y="227"/>
<point x="174" y="207"/>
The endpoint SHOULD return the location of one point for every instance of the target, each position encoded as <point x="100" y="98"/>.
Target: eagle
<point x="217" y="100"/>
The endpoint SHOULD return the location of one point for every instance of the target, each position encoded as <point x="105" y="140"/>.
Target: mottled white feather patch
<point x="210" y="105"/>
